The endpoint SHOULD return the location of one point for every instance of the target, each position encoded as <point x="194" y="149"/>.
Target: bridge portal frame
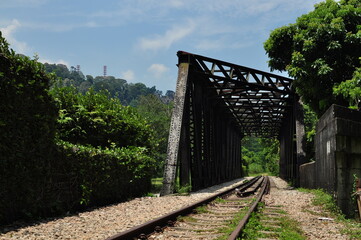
<point x="218" y="103"/>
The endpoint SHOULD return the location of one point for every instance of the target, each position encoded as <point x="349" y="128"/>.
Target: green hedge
<point x="40" y="177"/>
<point x="97" y="119"/>
<point x="77" y="177"/>
<point x="27" y="127"/>
<point x="103" y="176"/>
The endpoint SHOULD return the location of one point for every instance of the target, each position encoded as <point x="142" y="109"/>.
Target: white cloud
<point x="8" y="33"/>
<point x="157" y="69"/>
<point x="128" y="75"/>
<point x="60" y="27"/>
<point x="173" y="35"/>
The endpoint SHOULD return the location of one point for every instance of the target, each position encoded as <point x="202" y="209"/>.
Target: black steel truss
<point x="258" y="101"/>
<point x="216" y="104"/>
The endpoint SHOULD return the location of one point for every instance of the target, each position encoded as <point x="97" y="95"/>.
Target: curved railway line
<point x="221" y="216"/>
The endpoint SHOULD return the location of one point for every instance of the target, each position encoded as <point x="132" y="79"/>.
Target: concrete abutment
<point x="338" y="156"/>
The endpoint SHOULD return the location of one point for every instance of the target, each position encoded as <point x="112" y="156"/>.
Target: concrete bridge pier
<point x="338" y="156"/>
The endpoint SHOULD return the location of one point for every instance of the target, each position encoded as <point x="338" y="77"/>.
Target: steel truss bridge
<point x="218" y="103"/>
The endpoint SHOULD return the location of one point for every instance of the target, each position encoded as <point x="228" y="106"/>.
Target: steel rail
<point x="156" y="225"/>
<point x="264" y="190"/>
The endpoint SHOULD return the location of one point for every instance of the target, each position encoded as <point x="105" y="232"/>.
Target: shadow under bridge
<point x="218" y="103"/>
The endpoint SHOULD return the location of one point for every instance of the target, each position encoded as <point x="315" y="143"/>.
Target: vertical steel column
<point x="170" y="168"/>
<point x="197" y="161"/>
<point x="184" y="157"/>
<point x="300" y="137"/>
<point x="287" y="147"/>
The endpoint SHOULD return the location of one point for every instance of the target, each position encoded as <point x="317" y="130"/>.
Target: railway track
<point x="222" y="216"/>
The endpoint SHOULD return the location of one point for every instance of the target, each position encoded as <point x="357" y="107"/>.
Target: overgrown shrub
<point x="27" y="126"/>
<point x="41" y="177"/>
<point x="96" y="119"/>
<point x="93" y="176"/>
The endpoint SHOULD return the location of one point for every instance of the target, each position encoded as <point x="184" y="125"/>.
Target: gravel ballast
<point x="107" y="221"/>
<point x="299" y="207"/>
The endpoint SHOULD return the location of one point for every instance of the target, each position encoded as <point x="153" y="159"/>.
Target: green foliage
<point x="156" y="185"/>
<point x="351" y="89"/>
<point x="252" y="227"/>
<point x="158" y="115"/>
<point x="183" y="189"/>
<point x="103" y="176"/>
<point x="260" y="155"/>
<point x="287" y="229"/>
<point x="127" y="93"/>
<point x="201" y="209"/>
<point x="310" y="120"/>
<point x="27" y="128"/>
<point x="320" y="50"/>
<point x="327" y="202"/>
<point x="227" y="230"/>
<point x="96" y="119"/>
<point x="109" y="158"/>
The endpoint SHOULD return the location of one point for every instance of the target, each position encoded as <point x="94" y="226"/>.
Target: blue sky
<point x="138" y="39"/>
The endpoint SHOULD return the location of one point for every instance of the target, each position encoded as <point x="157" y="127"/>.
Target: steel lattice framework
<point x="258" y="100"/>
<point x="216" y="104"/>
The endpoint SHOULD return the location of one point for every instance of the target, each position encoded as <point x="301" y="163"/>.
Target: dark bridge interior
<point x="216" y="105"/>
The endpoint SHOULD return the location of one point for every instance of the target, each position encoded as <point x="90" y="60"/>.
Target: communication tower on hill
<point x="78" y="68"/>
<point x="105" y="71"/>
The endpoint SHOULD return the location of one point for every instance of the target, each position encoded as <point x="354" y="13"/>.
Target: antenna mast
<point x="105" y="71"/>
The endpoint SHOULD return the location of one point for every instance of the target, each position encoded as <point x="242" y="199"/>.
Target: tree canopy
<point x="319" y="51"/>
<point x="62" y="150"/>
<point x="127" y="93"/>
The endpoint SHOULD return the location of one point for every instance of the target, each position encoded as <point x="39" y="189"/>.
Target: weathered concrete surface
<point x="338" y="155"/>
<point x="170" y="166"/>
<point x="307" y="175"/>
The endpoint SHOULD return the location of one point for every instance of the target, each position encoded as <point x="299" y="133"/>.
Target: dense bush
<point x="41" y="176"/>
<point x="27" y="126"/>
<point x="91" y="176"/>
<point x="158" y="114"/>
<point x="260" y="155"/>
<point x="96" y="119"/>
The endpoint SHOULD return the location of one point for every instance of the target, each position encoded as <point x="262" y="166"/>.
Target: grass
<point x="232" y="225"/>
<point x="352" y="227"/>
<point x="186" y="219"/>
<point x="201" y="209"/>
<point x="287" y="228"/>
<point x="156" y="185"/>
<point x="326" y="201"/>
<point x="219" y="200"/>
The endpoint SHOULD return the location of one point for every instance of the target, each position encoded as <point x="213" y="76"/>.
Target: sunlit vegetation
<point x="321" y="52"/>
<point x="330" y="209"/>
<point x="65" y="150"/>
<point x="285" y="229"/>
<point x="260" y="156"/>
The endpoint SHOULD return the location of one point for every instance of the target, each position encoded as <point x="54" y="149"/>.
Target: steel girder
<point x="216" y="104"/>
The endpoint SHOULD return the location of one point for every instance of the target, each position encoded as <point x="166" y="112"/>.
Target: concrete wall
<point x="338" y="155"/>
<point x="307" y="175"/>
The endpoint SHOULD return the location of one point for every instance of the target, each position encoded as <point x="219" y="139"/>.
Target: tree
<point x="351" y="90"/>
<point x="319" y="51"/>
<point x="96" y="119"/>
<point x="158" y="114"/>
<point x="27" y="127"/>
